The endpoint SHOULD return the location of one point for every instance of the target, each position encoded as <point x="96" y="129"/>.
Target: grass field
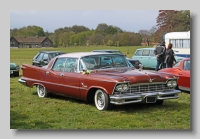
<point x="28" y="111"/>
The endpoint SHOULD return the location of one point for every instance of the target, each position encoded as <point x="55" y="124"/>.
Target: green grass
<point x="28" y="111"/>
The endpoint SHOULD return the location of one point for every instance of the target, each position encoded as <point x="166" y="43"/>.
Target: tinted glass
<point x="145" y="53"/>
<point x="59" y="64"/>
<point x="186" y="65"/>
<point x="138" y="53"/>
<point x="40" y="56"/>
<point x="152" y="53"/>
<point x="45" y="56"/>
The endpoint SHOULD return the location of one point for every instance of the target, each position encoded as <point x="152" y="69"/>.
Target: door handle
<point x="47" y="72"/>
<point x="61" y="74"/>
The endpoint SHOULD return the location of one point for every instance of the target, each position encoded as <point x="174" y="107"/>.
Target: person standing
<point x="169" y="59"/>
<point x="159" y="51"/>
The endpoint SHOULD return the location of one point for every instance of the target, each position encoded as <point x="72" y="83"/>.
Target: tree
<point x="146" y="35"/>
<point x="102" y="29"/>
<point x="171" y="21"/>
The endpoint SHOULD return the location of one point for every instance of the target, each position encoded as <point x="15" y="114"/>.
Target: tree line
<point x="109" y="35"/>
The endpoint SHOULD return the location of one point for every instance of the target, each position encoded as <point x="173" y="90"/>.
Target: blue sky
<point x="49" y="20"/>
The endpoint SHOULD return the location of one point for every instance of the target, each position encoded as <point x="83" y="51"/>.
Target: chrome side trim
<point x="23" y="82"/>
<point x="184" y="88"/>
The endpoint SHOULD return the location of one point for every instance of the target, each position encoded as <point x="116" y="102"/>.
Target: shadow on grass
<point x="22" y="121"/>
<point x="167" y="105"/>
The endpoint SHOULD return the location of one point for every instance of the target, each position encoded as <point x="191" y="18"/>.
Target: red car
<point x="182" y="70"/>
<point x="105" y="78"/>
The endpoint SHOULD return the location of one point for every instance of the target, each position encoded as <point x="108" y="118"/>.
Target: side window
<point x="145" y="53"/>
<point x="71" y="65"/>
<point x="138" y="53"/>
<point x="59" y="64"/>
<point x="177" y="64"/>
<point x="152" y="53"/>
<point x="40" y="56"/>
<point x="45" y="57"/>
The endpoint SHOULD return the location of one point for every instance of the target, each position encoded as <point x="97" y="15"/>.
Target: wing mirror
<point x="141" y="67"/>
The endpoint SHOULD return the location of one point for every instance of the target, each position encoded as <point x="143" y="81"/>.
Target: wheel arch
<point x="91" y="92"/>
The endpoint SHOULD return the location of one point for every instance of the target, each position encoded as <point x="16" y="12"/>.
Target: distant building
<point x="30" y="42"/>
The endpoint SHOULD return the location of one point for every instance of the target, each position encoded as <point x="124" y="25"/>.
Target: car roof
<point x="82" y="54"/>
<point x="51" y="52"/>
<point x="145" y="48"/>
<point x="106" y="50"/>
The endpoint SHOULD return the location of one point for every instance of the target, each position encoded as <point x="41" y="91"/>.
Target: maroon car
<point x="106" y="79"/>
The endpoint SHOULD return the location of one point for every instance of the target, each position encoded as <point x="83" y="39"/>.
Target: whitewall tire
<point x="101" y="100"/>
<point x="41" y="91"/>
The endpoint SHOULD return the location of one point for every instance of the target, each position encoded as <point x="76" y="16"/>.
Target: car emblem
<point x="151" y="80"/>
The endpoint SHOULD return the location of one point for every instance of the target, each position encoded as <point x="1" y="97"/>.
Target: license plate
<point x="11" y="72"/>
<point x="151" y="99"/>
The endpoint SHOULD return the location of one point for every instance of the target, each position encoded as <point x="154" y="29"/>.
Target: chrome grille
<point x="148" y="88"/>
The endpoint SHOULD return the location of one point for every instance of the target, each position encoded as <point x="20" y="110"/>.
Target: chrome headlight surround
<point x="172" y="83"/>
<point x="122" y="87"/>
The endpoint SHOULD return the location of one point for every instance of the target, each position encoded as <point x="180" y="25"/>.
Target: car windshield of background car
<point x="104" y="61"/>
<point x="186" y="65"/>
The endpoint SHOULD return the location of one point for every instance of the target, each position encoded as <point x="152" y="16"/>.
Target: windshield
<point x="104" y="61"/>
<point x="187" y="65"/>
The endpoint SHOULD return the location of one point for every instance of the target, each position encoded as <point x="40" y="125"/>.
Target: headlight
<point x="169" y="83"/>
<point x="172" y="83"/>
<point x="121" y="87"/>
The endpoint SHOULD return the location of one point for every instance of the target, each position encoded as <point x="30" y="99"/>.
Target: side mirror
<point x="141" y="67"/>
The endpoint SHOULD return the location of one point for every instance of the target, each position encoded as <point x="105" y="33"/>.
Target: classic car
<point x="14" y="69"/>
<point x="107" y="79"/>
<point x="147" y="57"/>
<point x="134" y="62"/>
<point x="42" y="58"/>
<point x="182" y="70"/>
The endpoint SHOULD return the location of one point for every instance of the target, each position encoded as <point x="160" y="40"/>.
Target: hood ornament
<point x="151" y="80"/>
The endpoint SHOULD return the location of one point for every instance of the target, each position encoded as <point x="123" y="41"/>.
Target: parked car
<point x="43" y="57"/>
<point x="182" y="70"/>
<point x="134" y="62"/>
<point x="147" y="57"/>
<point x="107" y="79"/>
<point x="14" y="69"/>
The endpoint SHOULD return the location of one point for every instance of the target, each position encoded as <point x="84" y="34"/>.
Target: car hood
<point x="133" y="75"/>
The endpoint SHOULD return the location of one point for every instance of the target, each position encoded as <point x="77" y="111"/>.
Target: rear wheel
<point x="41" y="91"/>
<point x="101" y="100"/>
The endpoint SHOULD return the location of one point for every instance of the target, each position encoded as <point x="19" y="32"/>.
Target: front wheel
<point x="41" y="91"/>
<point x="101" y="100"/>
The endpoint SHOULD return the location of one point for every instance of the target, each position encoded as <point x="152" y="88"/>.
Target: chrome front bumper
<point x="22" y="81"/>
<point x="142" y="97"/>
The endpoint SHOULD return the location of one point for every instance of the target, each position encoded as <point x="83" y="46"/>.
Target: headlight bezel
<point x="122" y="87"/>
<point x="172" y="83"/>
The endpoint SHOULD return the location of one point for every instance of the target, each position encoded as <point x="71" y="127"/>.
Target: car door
<point x="145" y="58"/>
<point x="152" y="59"/>
<point x="53" y="76"/>
<point x="184" y="75"/>
<point x="69" y="79"/>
